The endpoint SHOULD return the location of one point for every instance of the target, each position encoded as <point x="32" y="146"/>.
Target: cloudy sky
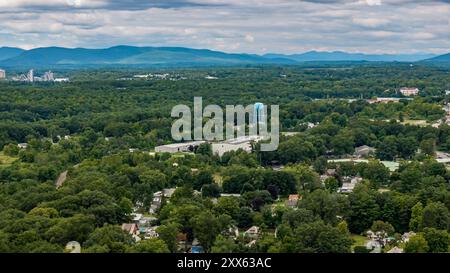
<point x="252" y="26"/>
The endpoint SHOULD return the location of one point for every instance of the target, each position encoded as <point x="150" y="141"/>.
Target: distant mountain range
<point x="440" y="59"/>
<point x="52" y="57"/>
<point x="315" y="56"/>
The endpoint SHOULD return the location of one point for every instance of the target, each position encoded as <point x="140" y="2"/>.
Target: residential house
<point x="408" y="235"/>
<point x="136" y="217"/>
<point x="131" y="228"/>
<point x="151" y="233"/>
<point x="22" y="145"/>
<point x="156" y="202"/>
<point x="252" y="232"/>
<point x="349" y="184"/>
<point x="145" y="223"/>
<point x="364" y="151"/>
<point x="308" y="125"/>
<point x="379" y="238"/>
<point x="292" y="202"/>
<point x="168" y="192"/>
<point x="406" y="91"/>
<point x="330" y="172"/>
<point x="232" y="231"/>
<point x="158" y="199"/>
<point x="396" y="250"/>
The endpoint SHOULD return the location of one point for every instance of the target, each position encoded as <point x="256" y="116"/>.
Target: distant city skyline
<point x="252" y="26"/>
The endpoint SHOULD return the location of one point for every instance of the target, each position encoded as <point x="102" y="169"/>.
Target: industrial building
<point x="243" y="143"/>
<point x="186" y="147"/>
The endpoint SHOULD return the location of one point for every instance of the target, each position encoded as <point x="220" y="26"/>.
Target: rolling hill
<point x="131" y="56"/>
<point x="9" y="52"/>
<point x="124" y="56"/>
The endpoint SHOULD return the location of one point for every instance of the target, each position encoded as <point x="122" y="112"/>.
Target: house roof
<point x="129" y="227"/>
<point x="396" y="250"/>
<point x="294" y="197"/>
<point x="253" y="229"/>
<point x="168" y="192"/>
<point x="182" y="237"/>
<point x="364" y="147"/>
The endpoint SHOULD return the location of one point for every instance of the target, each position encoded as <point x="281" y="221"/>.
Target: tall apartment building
<point x="2" y="74"/>
<point x="30" y="75"/>
<point x="48" y="76"/>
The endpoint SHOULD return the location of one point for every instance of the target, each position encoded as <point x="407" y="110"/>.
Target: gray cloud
<point x="256" y="26"/>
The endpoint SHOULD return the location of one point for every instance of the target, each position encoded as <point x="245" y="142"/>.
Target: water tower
<point x="259" y="116"/>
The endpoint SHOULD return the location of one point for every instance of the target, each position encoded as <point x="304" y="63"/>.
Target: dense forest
<point x="103" y="126"/>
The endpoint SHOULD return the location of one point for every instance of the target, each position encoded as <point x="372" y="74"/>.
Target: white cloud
<point x="249" y="38"/>
<point x="373" y="2"/>
<point x="371" y="22"/>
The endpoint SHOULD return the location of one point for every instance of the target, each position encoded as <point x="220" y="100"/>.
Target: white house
<point x="151" y="233"/>
<point x="22" y="145"/>
<point x="406" y="91"/>
<point x="252" y="232"/>
<point x="364" y="151"/>
<point x="349" y="184"/>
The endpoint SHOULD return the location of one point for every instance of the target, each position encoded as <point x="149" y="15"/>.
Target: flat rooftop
<point x="183" y="144"/>
<point x="240" y="140"/>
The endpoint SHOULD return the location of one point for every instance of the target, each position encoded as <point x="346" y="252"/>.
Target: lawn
<point x="218" y="179"/>
<point x="6" y="160"/>
<point x="415" y="122"/>
<point x="359" y="240"/>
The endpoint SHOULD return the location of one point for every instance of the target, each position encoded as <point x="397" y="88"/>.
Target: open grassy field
<point x="218" y="179"/>
<point x="6" y="160"/>
<point x="358" y="240"/>
<point x="415" y="122"/>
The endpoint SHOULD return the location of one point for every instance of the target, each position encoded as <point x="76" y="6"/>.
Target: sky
<point x="250" y="26"/>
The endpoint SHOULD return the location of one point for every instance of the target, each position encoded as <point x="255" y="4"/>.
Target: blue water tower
<point x="258" y="114"/>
